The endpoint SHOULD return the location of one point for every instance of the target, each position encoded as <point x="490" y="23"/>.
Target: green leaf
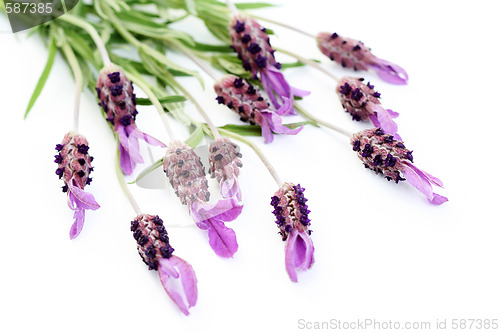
<point x="231" y="64"/>
<point x="43" y="78"/>
<point x="245" y="130"/>
<point x="154" y="166"/>
<point x="166" y="99"/>
<point x="211" y="48"/>
<point x="195" y="137"/>
<point x="285" y="65"/>
<point x="300" y="123"/>
<point x="254" y="5"/>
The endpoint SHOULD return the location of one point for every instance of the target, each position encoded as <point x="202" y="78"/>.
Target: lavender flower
<point x="74" y="168"/>
<point x="362" y="102"/>
<point x="186" y="174"/>
<point x="384" y="154"/>
<point x="242" y="97"/>
<point x="117" y="99"/>
<point x="224" y="165"/>
<point x="354" y="54"/>
<point x="250" y="40"/>
<point x="292" y="219"/>
<point x="155" y="250"/>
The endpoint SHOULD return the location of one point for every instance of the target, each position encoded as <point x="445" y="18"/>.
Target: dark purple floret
<point x="367" y="151"/>
<point x="58" y="158"/>
<point x="126" y="120"/>
<point x="116" y="90"/>
<point x="390" y="161"/>
<point x="83" y="149"/>
<point x="114" y="77"/>
<point x="409" y="155"/>
<point x="238" y="83"/>
<point x="379" y="131"/>
<point x="239" y="26"/>
<point x="356" y="145"/>
<point x="356" y="94"/>
<point x="59" y="147"/>
<point x="345" y="89"/>
<point x="245" y="39"/>
<point x="261" y="61"/>
<point x="334" y="35"/>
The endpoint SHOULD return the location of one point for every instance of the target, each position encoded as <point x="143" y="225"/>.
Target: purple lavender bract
<point x="354" y="54"/>
<point x="74" y="167"/>
<point x="224" y="165"/>
<point x="250" y="40"/>
<point x="292" y="218"/>
<point x="384" y="154"/>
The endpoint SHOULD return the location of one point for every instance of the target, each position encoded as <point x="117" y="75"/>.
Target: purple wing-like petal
<point x="221" y="238"/>
<point x="81" y="199"/>
<point x="76" y="228"/>
<point x="299" y="253"/>
<point x="275" y="84"/>
<point x="227" y="210"/>
<point x="390" y="72"/>
<point x="385" y="119"/>
<point x="184" y="295"/>
<point x="421" y="182"/>
<point x="266" y="131"/>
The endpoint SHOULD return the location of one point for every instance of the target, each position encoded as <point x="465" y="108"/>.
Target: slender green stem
<point x="77" y="73"/>
<point x="308" y="34"/>
<point x="257" y="150"/>
<point x="123" y="185"/>
<point x="93" y="34"/>
<point x="321" y="122"/>
<point x="309" y="62"/>
<point x="185" y="92"/>
<point x="154" y="100"/>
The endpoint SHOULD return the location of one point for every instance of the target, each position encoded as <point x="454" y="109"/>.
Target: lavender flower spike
<point x="186" y="174"/>
<point x="74" y="167"/>
<point x="250" y="40"/>
<point x="383" y="154"/>
<point x="224" y="165"/>
<point x="154" y="248"/>
<point x="242" y="97"/>
<point x="117" y="99"/>
<point x="362" y="102"/>
<point x="354" y="54"/>
<point x="292" y="219"/>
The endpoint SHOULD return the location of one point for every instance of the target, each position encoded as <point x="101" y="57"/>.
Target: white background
<point x="382" y="252"/>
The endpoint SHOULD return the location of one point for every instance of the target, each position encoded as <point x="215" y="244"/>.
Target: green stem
<point x="123" y="185"/>
<point x="309" y="62"/>
<point x="321" y="122"/>
<point x="93" y="34"/>
<point x="77" y="73"/>
<point x="283" y="25"/>
<point x="154" y="100"/>
<point x="257" y="150"/>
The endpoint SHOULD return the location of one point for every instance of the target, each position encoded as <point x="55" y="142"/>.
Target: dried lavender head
<point x="354" y="54"/>
<point x="186" y="173"/>
<point x="74" y="168"/>
<point x="250" y="40"/>
<point x="357" y="98"/>
<point x="291" y="210"/>
<point x="293" y="221"/>
<point x="384" y="154"/>
<point x="116" y="94"/>
<point x="239" y="95"/>
<point x="152" y="239"/>
<point x="73" y="160"/>
<point x="225" y="162"/>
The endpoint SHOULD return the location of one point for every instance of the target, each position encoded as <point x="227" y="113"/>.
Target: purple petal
<point x="275" y="122"/>
<point x="384" y="119"/>
<point x="227" y="210"/>
<point x="393" y="114"/>
<point x="299" y="253"/>
<point x="76" y="228"/>
<point x="126" y="163"/>
<point x="266" y="131"/>
<point x="81" y="199"/>
<point x="421" y="182"/>
<point x="299" y="92"/>
<point x="275" y="83"/>
<point x="390" y="72"/>
<point x="230" y="188"/>
<point x="175" y="268"/>
<point x="221" y="238"/>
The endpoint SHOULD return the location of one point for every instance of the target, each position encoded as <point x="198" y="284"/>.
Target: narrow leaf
<point x="245" y="130"/>
<point x="253" y="5"/>
<point x="195" y="137"/>
<point x="166" y="99"/>
<point x="155" y="165"/>
<point x="43" y="78"/>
